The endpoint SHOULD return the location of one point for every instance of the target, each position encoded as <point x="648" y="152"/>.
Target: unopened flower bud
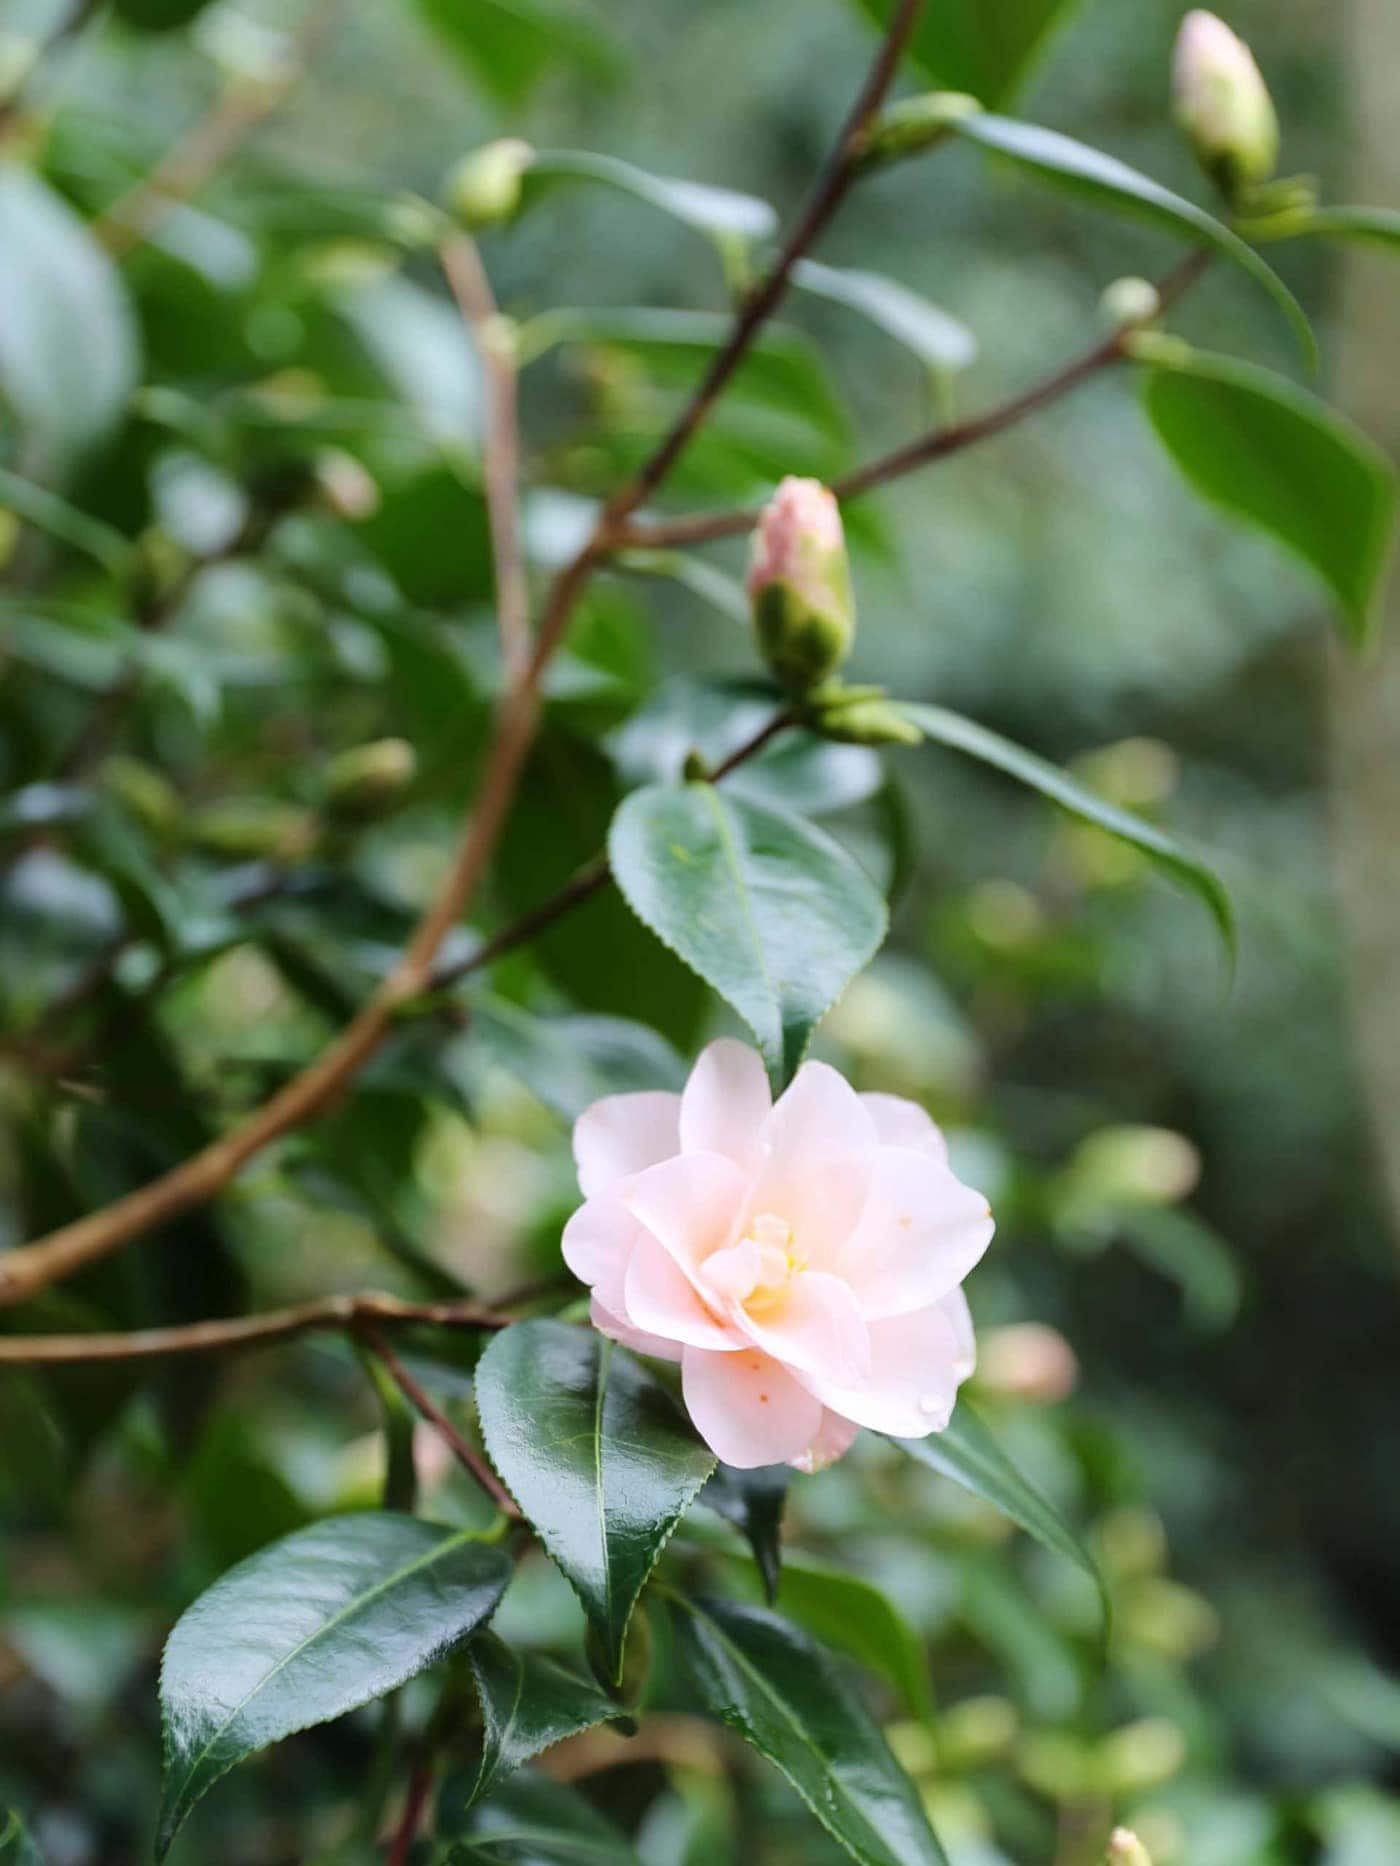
<point x="345" y="485"/>
<point x="1125" y="1849"/>
<point x="800" y="585"/>
<point x="1028" y="1361"/>
<point x="1141" y="1756"/>
<point x="365" y="779"/>
<point x="1222" y="104"/>
<point x="1130" y="302"/>
<point x="915" y="125"/>
<point x="874" y="721"/>
<point x="484" y="188"/>
<point x="255" y="827"/>
<point x="977" y="1732"/>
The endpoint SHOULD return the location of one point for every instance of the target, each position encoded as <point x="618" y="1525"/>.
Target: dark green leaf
<point x="304" y="1631"/>
<point x="719" y="212"/>
<point x="597" y="1454"/>
<point x="510" y="45"/>
<point x="1182" y="1247"/>
<point x="68" y="350"/>
<point x="768" y="910"/>
<point x="850" y="1613"/>
<point x="528" y="1703"/>
<point x="979" y="741"/>
<point x="965" y="735"/>
<point x="1269" y="453"/>
<point x="571" y="1062"/>
<point x="531" y="1821"/>
<point x="1107" y="182"/>
<point x="37" y="506"/>
<point x="158" y="15"/>
<point x="780" y="1691"/>
<point x="985" y="47"/>
<point x="936" y="338"/>
<point x="967" y="1452"/>
<point x="753" y="1501"/>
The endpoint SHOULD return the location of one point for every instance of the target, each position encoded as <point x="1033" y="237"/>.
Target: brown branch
<point x="333" y="1314"/>
<point x="840" y="171"/>
<point x="415" y="1805"/>
<point x="466" y="1455"/>
<point x="495" y="346"/>
<point x="32" y="1267"/>
<point x="196" y="156"/>
<point x="705" y="527"/>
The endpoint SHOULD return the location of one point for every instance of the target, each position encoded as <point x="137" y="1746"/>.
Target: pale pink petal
<point x="661" y="1299"/>
<point x="901" y="1123"/>
<point x="913" y="1378"/>
<point x="622" y="1332"/>
<point x="725" y="1103"/>
<point x="748" y="1409"/>
<point x="819" y="1117"/>
<point x="834" y="1439"/>
<point x="598" y="1241"/>
<point x="622" y="1134"/>
<point x="811" y="1324"/>
<point x="692" y="1204"/>
<point x="954" y="1306"/>
<point x="922" y="1230"/>
<point x="822" y="1201"/>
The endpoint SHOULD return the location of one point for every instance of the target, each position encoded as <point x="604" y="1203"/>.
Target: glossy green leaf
<point x="965" y="735"/>
<point x="985" y="47"/>
<point x="530" y="1821"/>
<point x="598" y="1455"/>
<point x="753" y="1501"/>
<point x="511" y="45"/>
<point x="16" y="1848"/>
<point x="938" y="339"/>
<point x="68" y="346"/>
<point x="721" y="213"/>
<point x="1107" y="182"/>
<point x="768" y="910"/>
<point x="966" y="1451"/>
<point x="1268" y="452"/>
<point x="308" y="1629"/>
<point x="766" y="1679"/>
<point x="570" y="1062"/>
<point x="528" y="1704"/>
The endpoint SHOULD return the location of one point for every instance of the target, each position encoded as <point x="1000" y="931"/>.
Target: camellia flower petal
<point x="803" y="1260"/>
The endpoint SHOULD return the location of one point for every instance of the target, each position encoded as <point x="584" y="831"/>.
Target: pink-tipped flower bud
<point x="1222" y="104"/>
<point x="800" y="585"/>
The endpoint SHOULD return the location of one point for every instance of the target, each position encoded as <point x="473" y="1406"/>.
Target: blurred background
<point x="1196" y="1178"/>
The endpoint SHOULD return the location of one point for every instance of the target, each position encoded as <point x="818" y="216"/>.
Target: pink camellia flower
<point x="801" y="1260"/>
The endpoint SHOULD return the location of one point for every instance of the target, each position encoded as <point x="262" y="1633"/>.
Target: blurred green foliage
<point x="246" y="553"/>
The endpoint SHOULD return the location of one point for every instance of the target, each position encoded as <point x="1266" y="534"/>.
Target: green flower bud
<point x="484" y="188"/>
<point x="255" y="827"/>
<point x="363" y="781"/>
<point x="1141" y="1756"/>
<point x="1222" y="104"/>
<point x="1125" y="1849"/>
<point x="800" y="585"/>
<point x="915" y="125"/>
<point x="977" y="1732"/>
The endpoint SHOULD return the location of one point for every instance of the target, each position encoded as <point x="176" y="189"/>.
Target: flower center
<point x="756" y="1270"/>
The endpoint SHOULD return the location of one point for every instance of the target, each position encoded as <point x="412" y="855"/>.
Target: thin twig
<point x="196" y="156"/>
<point x="494" y="343"/>
<point x="32" y="1267"/>
<point x="705" y="527"/>
<point x="420" y="1786"/>
<point x="332" y="1315"/>
<point x="466" y="1455"/>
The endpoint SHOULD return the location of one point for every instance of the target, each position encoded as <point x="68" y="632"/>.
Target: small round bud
<point x="976" y="1733"/>
<point x="364" y="780"/>
<point x="1130" y="302"/>
<point x="345" y="485"/>
<point x="800" y="585"/>
<point x="1222" y="104"/>
<point x="484" y="188"/>
<point x="255" y="828"/>
<point x="1141" y="1756"/>
<point x="1125" y="1849"/>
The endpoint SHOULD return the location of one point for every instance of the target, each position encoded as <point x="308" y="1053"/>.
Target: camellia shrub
<point x="353" y="859"/>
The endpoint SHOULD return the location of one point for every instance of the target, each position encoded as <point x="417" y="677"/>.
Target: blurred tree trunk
<point x="1366" y="696"/>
